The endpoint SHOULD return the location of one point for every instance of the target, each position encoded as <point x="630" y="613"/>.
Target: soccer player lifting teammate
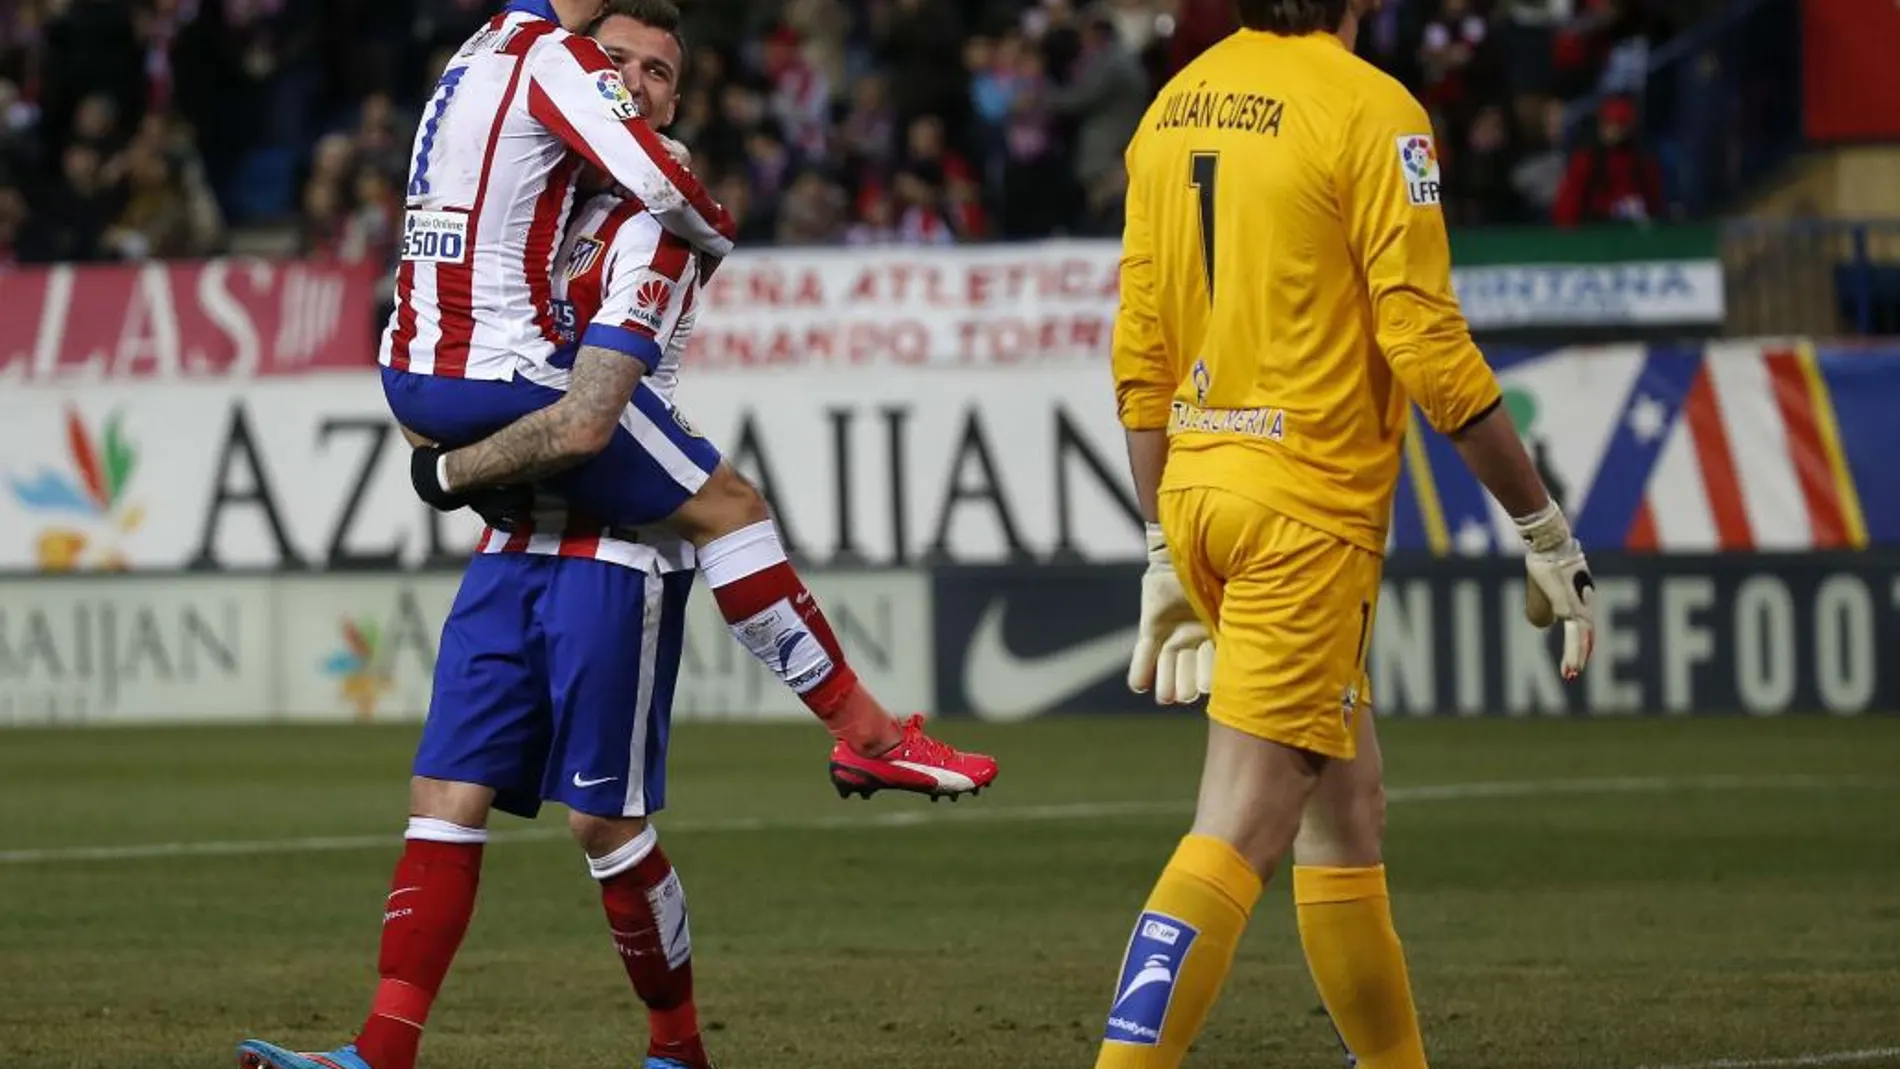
<point x="1286" y="295"/>
<point x="475" y="362"/>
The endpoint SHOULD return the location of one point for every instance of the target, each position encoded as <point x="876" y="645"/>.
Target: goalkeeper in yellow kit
<point x="1286" y="293"/>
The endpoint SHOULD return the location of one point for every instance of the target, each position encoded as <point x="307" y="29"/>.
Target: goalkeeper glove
<point x="1560" y="587"/>
<point x="1173" y="652"/>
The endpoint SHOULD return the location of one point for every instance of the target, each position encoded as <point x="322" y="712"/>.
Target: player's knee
<point x="464" y="804"/>
<point x="1344" y="828"/>
<point x="727" y="503"/>
<point x="601" y="836"/>
<point x="737" y="497"/>
<point x="1253" y="791"/>
<point x="1364" y="816"/>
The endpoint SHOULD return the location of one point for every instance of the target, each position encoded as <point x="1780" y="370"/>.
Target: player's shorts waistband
<point x="1268" y="423"/>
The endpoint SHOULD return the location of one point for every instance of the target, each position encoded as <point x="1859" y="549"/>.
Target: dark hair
<point x="1292" y="17"/>
<point x="659" y="14"/>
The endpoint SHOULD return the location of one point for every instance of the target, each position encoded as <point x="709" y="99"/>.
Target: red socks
<point x="430" y="902"/>
<point x="432" y="899"/>
<point x="773" y="615"/>
<point x="646" y="911"/>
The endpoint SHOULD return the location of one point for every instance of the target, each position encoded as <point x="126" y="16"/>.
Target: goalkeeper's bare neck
<point x="1295" y="18"/>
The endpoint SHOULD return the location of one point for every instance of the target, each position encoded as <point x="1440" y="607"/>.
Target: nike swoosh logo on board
<point x="1003" y="686"/>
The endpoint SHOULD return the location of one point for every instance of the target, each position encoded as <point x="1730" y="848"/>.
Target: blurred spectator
<point x="821" y="27"/>
<point x="369" y="234"/>
<point x="1107" y="97"/>
<point x="1037" y="184"/>
<point x="877" y="219"/>
<point x="320" y="233"/>
<point x="72" y="211"/>
<point x="19" y="154"/>
<point x="769" y="165"/>
<point x="382" y="136"/>
<point x="1458" y="58"/>
<point x="963" y="205"/>
<point x="96" y="123"/>
<point x="756" y="226"/>
<point x="867" y="138"/>
<point x="157" y="219"/>
<point x="1539" y="175"/>
<point x="1478" y="178"/>
<point x="1613" y="179"/>
<point x="812" y="212"/>
<point x="801" y="96"/>
<point x="920" y="218"/>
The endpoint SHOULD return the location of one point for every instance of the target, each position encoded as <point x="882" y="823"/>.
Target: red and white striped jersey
<point x="517" y="112"/>
<point x="622" y="283"/>
<point x="552" y="534"/>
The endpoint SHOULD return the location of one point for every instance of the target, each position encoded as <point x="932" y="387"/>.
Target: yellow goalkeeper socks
<point x="1178" y="957"/>
<point x="1357" y="963"/>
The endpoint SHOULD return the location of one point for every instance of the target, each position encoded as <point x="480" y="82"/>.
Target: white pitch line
<point x="1839" y="1057"/>
<point x="976" y="812"/>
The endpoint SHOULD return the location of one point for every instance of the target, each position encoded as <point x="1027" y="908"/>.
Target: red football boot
<point x="918" y="763"/>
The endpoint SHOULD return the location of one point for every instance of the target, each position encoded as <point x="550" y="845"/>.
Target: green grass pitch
<point x="1572" y="895"/>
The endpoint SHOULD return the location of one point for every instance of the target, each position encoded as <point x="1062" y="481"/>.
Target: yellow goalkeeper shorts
<point x="1290" y="609"/>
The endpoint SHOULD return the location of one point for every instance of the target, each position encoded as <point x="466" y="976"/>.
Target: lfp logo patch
<point x="1418" y="163"/>
<point x="1153" y="963"/>
<point x="620" y="103"/>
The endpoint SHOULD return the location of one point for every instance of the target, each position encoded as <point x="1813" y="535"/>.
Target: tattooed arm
<point x="555" y="438"/>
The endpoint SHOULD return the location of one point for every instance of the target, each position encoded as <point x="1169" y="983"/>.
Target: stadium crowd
<point x="154" y="128"/>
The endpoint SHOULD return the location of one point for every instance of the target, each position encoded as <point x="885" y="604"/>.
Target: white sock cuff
<point x="747" y="551"/>
<point x="625" y="858"/>
<point x="429" y="829"/>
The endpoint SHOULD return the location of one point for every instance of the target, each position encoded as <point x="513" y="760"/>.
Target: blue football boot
<point x="257" y="1054"/>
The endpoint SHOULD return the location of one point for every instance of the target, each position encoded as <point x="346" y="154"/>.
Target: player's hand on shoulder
<point x="1560" y="586"/>
<point x="678" y="150"/>
<point x="1174" y="654"/>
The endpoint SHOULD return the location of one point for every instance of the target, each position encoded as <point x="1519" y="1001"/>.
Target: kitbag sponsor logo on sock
<point x="1149" y="970"/>
<point x="668" y="901"/>
<point x="778" y="636"/>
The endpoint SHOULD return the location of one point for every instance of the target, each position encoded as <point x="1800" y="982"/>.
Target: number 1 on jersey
<point x="1205" y="168"/>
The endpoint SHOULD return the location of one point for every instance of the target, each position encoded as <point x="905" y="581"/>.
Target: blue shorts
<point x="555" y="683"/>
<point x="654" y="463"/>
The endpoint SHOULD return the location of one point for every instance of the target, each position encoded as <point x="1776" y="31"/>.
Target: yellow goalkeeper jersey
<point x="1286" y="282"/>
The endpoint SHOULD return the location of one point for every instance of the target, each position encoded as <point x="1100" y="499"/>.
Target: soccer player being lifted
<point x="1285" y="296"/>
<point x="476" y="363"/>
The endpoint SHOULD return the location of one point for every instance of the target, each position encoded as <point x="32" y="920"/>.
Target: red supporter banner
<point x="231" y="318"/>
